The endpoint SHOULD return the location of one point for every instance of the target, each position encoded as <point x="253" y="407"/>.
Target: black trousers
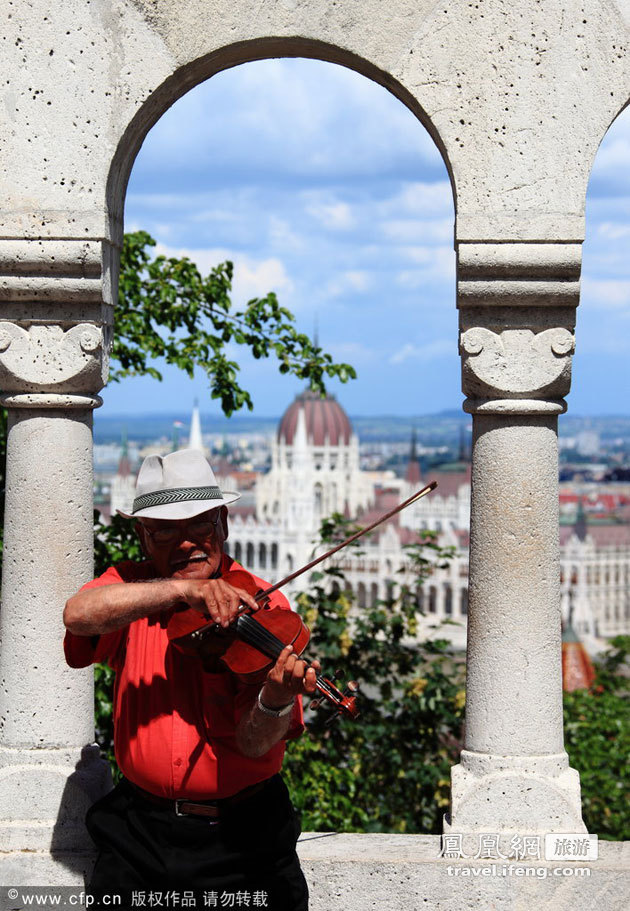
<point x="247" y="859"/>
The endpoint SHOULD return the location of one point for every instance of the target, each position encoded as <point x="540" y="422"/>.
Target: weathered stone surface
<point x="517" y="95"/>
<point x="394" y="872"/>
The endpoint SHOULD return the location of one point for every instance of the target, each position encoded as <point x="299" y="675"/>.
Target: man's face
<point x="185" y="548"/>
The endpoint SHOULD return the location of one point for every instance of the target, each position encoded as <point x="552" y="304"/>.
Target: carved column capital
<point x="57" y="319"/>
<point x="51" y="359"/>
<point x="517" y="317"/>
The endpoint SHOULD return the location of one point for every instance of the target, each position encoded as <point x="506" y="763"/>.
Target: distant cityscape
<point x="590" y="448"/>
<point x="294" y="470"/>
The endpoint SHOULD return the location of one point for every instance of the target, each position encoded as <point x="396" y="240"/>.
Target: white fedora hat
<point x="177" y="486"/>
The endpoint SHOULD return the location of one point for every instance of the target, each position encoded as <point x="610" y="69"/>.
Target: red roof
<point x="325" y="418"/>
<point x="599" y="502"/>
<point x="577" y="668"/>
<point x="449" y="482"/>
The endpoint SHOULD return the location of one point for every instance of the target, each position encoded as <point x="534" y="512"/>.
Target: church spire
<point x="580" y="521"/>
<point x="412" y="475"/>
<point x="124" y="465"/>
<point x="195" y="440"/>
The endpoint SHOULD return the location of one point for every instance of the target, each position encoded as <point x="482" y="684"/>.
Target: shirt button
<point x="178" y="762"/>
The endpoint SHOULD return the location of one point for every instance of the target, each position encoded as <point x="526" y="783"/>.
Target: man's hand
<point x="217" y="599"/>
<point x="257" y="732"/>
<point x="287" y="678"/>
<point x="95" y="611"/>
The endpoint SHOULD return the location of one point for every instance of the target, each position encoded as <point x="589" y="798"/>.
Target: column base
<point x="44" y="796"/>
<point x="525" y="795"/>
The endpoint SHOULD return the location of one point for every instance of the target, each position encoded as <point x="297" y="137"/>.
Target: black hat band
<point x="176" y="495"/>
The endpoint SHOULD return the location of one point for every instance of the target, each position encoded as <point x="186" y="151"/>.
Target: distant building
<point x="588" y="443"/>
<point x="123" y="484"/>
<point x="195" y="439"/>
<point x="315" y="472"/>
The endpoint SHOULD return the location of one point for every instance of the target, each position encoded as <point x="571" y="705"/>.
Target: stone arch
<point x="199" y="70"/>
<point x="521" y="219"/>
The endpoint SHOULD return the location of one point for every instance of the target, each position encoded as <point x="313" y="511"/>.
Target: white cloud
<point x="282" y="235"/>
<point x="434" y="262"/>
<point x="430" y="351"/>
<point x="611" y="230"/>
<point x="352" y="281"/>
<point x="355" y="353"/>
<point x="411" y="278"/>
<point x="422" y="198"/>
<point x="605" y="294"/>
<point x="252" y="277"/>
<point x="613" y="156"/>
<point x="415" y="230"/>
<point x="291" y="116"/>
<point x="335" y="215"/>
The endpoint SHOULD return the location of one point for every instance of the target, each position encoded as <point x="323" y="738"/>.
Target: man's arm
<point x="100" y="610"/>
<point x="257" y="732"/>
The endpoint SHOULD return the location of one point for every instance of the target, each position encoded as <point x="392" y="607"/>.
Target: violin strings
<point x="254" y="633"/>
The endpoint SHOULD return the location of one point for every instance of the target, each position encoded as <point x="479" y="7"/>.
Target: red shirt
<point x="174" y="722"/>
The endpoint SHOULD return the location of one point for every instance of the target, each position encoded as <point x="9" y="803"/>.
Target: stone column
<point x="50" y="769"/>
<point x="517" y="315"/>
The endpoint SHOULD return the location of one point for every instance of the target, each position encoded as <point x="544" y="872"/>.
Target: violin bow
<point x="362" y="531"/>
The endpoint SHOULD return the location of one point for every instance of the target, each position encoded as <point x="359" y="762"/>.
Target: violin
<point x="252" y="643"/>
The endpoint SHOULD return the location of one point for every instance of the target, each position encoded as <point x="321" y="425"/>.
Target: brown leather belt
<point x="211" y="809"/>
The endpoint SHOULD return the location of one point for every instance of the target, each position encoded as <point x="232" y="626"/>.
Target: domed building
<point x="314" y="465"/>
<point x="315" y="472"/>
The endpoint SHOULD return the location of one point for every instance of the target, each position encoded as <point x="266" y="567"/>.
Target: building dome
<point x="325" y="420"/>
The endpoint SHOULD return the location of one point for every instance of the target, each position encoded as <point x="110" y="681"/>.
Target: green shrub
<point x="597" y="739"/>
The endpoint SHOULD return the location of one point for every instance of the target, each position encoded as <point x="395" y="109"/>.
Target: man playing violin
<point x="201" y="807"/>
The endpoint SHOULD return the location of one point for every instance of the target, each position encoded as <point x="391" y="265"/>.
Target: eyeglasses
<point x="200" y="531"/>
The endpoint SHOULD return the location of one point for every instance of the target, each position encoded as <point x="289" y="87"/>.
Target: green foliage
<point x="103" y="714"/>
<point x="388" y="771"/>
<point x="167" y="309"/>
<point x="114" y="543"/>
<point x="597" y="739"/>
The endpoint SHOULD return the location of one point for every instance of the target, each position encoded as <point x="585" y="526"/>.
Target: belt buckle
<point x="178" y="812"/>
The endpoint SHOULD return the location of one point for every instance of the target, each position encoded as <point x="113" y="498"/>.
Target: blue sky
<point x="323" y="187"/>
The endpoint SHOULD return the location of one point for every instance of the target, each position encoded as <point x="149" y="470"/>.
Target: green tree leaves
<point x="168" y="310"/>
<point x="597" y="739"/>
<point x="388" y="771"/>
